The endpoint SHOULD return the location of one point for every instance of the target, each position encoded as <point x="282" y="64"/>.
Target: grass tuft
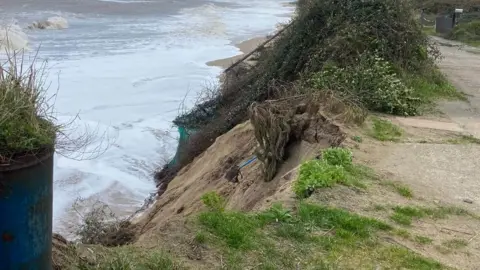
<point x="455" y="243"/>
<point x="404" y="191"/>
<point x="404" y="215"/>
<point x="128" y="258"/>
<point x="26" y="122"/>
<point x="423" y="240"/>
<point x="464" y="139"/>
<point x="384" y="130"/>
<point x="237" y="229"/>
<point x="340" y="220"/>
<point x="335" y="167"/>
<point x="399" y="188"/>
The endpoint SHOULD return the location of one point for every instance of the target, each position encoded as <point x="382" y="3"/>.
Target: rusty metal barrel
<point x="26" y="196"/>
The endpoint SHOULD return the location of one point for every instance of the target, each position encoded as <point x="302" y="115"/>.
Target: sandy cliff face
<point x="207" y="173"/>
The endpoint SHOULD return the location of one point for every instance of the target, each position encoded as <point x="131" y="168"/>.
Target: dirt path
<point x="438" y="170"/>
<point x="442" y="172"/>
<point x="462" y="66"/>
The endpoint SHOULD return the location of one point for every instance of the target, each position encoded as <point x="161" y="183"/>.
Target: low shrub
<point x="374" y="81"/>
<point x="338" y="156"/>
<point x="213" y="201"/>
<point x="315" y="174"/>
<point x="468" y="32"/>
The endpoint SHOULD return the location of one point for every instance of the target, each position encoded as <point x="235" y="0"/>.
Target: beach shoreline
<point x="245" y="47"/>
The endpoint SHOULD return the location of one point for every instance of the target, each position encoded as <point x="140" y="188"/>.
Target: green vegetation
<point x="358" y="139"/>
<point x="404" y="215"/>
<point x="374" y="81"/>
<point x="403" y="233"/>
<point x="423" y="240"/>
<point x="468" y="32"/>
<point x="335" y="167"/>
<point x="200" y="238"/>
<point x="312" y="236"/>
<point x="26" y="127"/>
<point x="128" y="258"/>
<point x="213" y="201"/>
<point x="399" y="188"/>
<point x="338" y="157"/>
<point x="384" y="130"/>
<point x="455" y="243"/>
<point x="444" y="6"/>
<point x="404" y="191"/>
<point x="464" y="139"/>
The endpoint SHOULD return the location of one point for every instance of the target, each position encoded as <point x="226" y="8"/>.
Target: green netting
<point x="184" y="135"/>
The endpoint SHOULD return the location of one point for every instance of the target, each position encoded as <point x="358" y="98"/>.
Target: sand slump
<point x="12" y="37"/>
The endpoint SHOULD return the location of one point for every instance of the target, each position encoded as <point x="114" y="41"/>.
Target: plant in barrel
<point x="27" y="142"/>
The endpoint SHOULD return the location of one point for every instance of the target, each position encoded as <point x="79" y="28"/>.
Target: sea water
<point x="120" y="71"/>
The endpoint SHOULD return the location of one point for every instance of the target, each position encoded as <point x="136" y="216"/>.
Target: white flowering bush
<point x="374" y="81"/>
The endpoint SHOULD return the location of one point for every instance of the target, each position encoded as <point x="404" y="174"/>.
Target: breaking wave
<point x="50" y="23"/>
<point x="12" y="37"/>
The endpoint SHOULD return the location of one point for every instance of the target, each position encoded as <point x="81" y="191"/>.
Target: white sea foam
<point x="12" y="37"/>
<point x="56" y="22"/>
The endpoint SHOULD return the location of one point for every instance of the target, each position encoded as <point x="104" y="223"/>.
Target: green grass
<point x="404" y="191"/>
<point x="128" y="258"/>
<point x="200" y="238"/>
<point x="468" y="33"/>
<point x="357" y="139"/>
<point x="463" y="139"/>
<point x="403" y="233"/>
<point x="401" y="219"/>
<point x="384" y="130"/>
<point x="25" y="122"/>
<point x="455" y="243"/>
<point x="399" y="188"/>
<point x="237" y="230"/>
<point x="423" y="240"/>
<point x="432" y="85"/>
<point x="334" y="168"/>
<point x="429" y="30"/>
<point x="310" y="237"/>
<point x="404" y="215"/>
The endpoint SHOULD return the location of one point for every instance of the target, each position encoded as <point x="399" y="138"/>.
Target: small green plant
<point x="464" y="139"/>
<point x="404" y="191"/>
<point x="411" y="211"/>
<point x="384" y="130"/>
<point x="423" y="240"/>
<point x="316" y="174"/>
<point x="403" y="233"/>
<point x="399" y="188"/>
<point x="277" y="213"/>
<point x="357" y="138"/>
<point x="401" y="219"/>
<point x="338" y="156"/>
<point x="200" y="238"/>
<point x="213" y="201"/>
<point x="379" y="207"/>
<point x="455" y="243"/>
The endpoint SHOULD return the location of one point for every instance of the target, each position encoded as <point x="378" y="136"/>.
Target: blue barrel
<point x="26" y="195"/>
